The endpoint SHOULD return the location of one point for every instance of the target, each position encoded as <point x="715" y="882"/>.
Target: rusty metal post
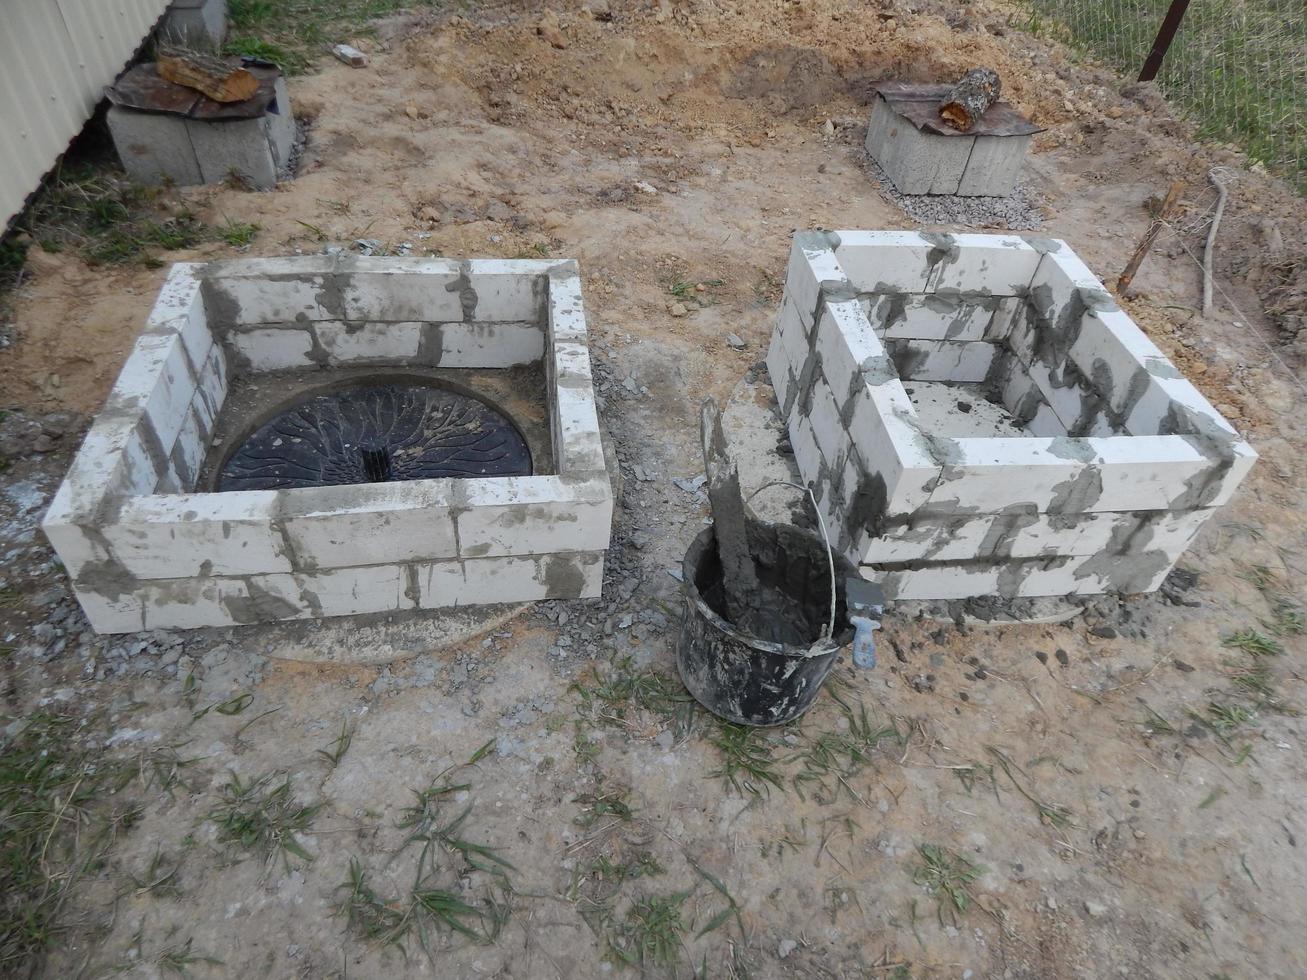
<point x="1165" y="34"/>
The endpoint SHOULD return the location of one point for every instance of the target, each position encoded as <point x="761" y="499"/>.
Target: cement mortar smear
<point x="146" y="550"/>
<point x="1099" y="463"/>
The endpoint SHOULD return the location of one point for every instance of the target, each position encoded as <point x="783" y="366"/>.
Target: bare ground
<point x="1125" y="803"/>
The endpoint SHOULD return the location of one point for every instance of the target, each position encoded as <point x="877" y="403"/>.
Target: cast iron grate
<point x="378" y="434"/>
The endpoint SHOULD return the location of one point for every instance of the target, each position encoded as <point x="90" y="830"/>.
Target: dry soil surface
<point x="1125" y="793"/>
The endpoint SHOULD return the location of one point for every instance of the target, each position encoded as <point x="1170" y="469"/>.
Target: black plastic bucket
<point x="740" y="677"/>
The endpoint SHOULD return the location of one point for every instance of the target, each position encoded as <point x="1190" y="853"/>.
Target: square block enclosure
<point x="148" y="544"/>
<point x="978" y="418"/>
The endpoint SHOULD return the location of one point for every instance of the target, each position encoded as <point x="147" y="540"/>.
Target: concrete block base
<point x="195" y="23"/>
<point x="1090" y="467"/>
<point x="919" y="162"/>
<point x="157" y="147"/>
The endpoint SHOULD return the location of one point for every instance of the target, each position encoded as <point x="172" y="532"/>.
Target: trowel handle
<point x="864" y="640"/>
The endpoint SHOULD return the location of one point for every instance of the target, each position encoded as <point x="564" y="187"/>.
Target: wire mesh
<point x="1238" y="68"/>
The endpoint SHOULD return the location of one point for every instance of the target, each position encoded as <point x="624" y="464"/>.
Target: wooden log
<point x="1146" y="243"/>
<point x="217" y="79"/>
<point x="967" y="101"/>
<point x="739" y="577"/>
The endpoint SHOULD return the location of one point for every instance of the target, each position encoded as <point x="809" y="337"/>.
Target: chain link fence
<point x="1238" y="68"/>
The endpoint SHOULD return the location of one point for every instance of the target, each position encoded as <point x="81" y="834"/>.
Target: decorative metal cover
<point x="377" y="434"/>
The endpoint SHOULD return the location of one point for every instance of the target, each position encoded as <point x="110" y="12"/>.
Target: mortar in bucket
<point x="745" y="678"/>
<point x="767" y="606"/>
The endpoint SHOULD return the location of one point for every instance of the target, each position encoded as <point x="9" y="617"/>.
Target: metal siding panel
<point x="56" y="57"/>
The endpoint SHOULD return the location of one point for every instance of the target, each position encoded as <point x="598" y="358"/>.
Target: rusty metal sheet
<point x="919" y="104"/>
<point x="142" y="89"/>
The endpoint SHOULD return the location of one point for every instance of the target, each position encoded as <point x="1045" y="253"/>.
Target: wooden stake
<point x="1150" y="236"/>
<point x="1209" y="252"/>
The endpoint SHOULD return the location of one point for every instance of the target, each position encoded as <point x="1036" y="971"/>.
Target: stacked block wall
<point x="145" y="551"/>
<point x="1124" y="462"/>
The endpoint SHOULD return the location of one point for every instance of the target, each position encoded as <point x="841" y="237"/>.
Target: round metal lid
<point x="377" y="434"/>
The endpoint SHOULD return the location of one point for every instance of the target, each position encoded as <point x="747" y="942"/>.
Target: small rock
<point x="735" y="341"/>
<point x="786" y="947"/>
<point x="1105" y="632"/>
<point x="644" y="187"/>
<point x="1051" y="902"/>
<point x="350" y="55"/>
<point x="551" y="30"/>
<point x="1096" y="910"/>
<point x="677" y="309"/>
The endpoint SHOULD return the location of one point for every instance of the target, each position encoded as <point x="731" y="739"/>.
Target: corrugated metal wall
<point x="56" y="57"/>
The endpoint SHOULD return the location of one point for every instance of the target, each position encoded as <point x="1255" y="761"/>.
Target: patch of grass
<point x="650" y="934"/>
<point x="164" y="769"/>
<point x="731" y="911"/>
<point x="1155" y="724"/>
<point x="1053" y="814"/>
<point x="58" y="819"/>
<point x="829" y="759"/>
<point x="427" y="824"/>
<point x="948" y="876"/>
<point x="1225" y="718"/>
<point x="261" y="816"/>
<point x="698" y="292"/>
<point x="1255" y="679"/>
<point x="641" y="865"/>
<point x="373" y="919"/>
<point x="1253" y="642"/>
<point x="295" y="33"/>
<point x="108" y="219"/>
<point x="748" y="762"/>
<point x="159" y="878"/>
<point x="435" y="903"/>
<point x="338" y="746"/>
<point x="596" y="806"/>
<point x="1287" y="619"/>
<point x="179" y="958"/>
<point x="615" y="697"/>
<point x="238" y="234"/>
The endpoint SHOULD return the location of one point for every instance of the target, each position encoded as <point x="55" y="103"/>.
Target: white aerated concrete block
<point x="944" y="315"/>
<point x="147" y="551"/>
<point x="490" y="344"/>
<point x="400" y="289"/>
<point x="1002" y="265"/>
<point x="363" y="343"/>
<point x="273" y="349"/>
<point x="384" y="523"/>
<point x="187" y="535"/>
<point x="1117" y="462"/>
<point x="942" y="360"/>
<point x="884" y="262"/>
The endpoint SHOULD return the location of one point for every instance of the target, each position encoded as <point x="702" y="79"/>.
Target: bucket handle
<point x="821" y="523"/>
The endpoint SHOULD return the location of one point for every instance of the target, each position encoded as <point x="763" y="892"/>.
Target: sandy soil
<point x="1109" y="843"/>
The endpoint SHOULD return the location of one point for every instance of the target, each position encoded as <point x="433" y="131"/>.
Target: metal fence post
<point x="1165" y="34"/>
